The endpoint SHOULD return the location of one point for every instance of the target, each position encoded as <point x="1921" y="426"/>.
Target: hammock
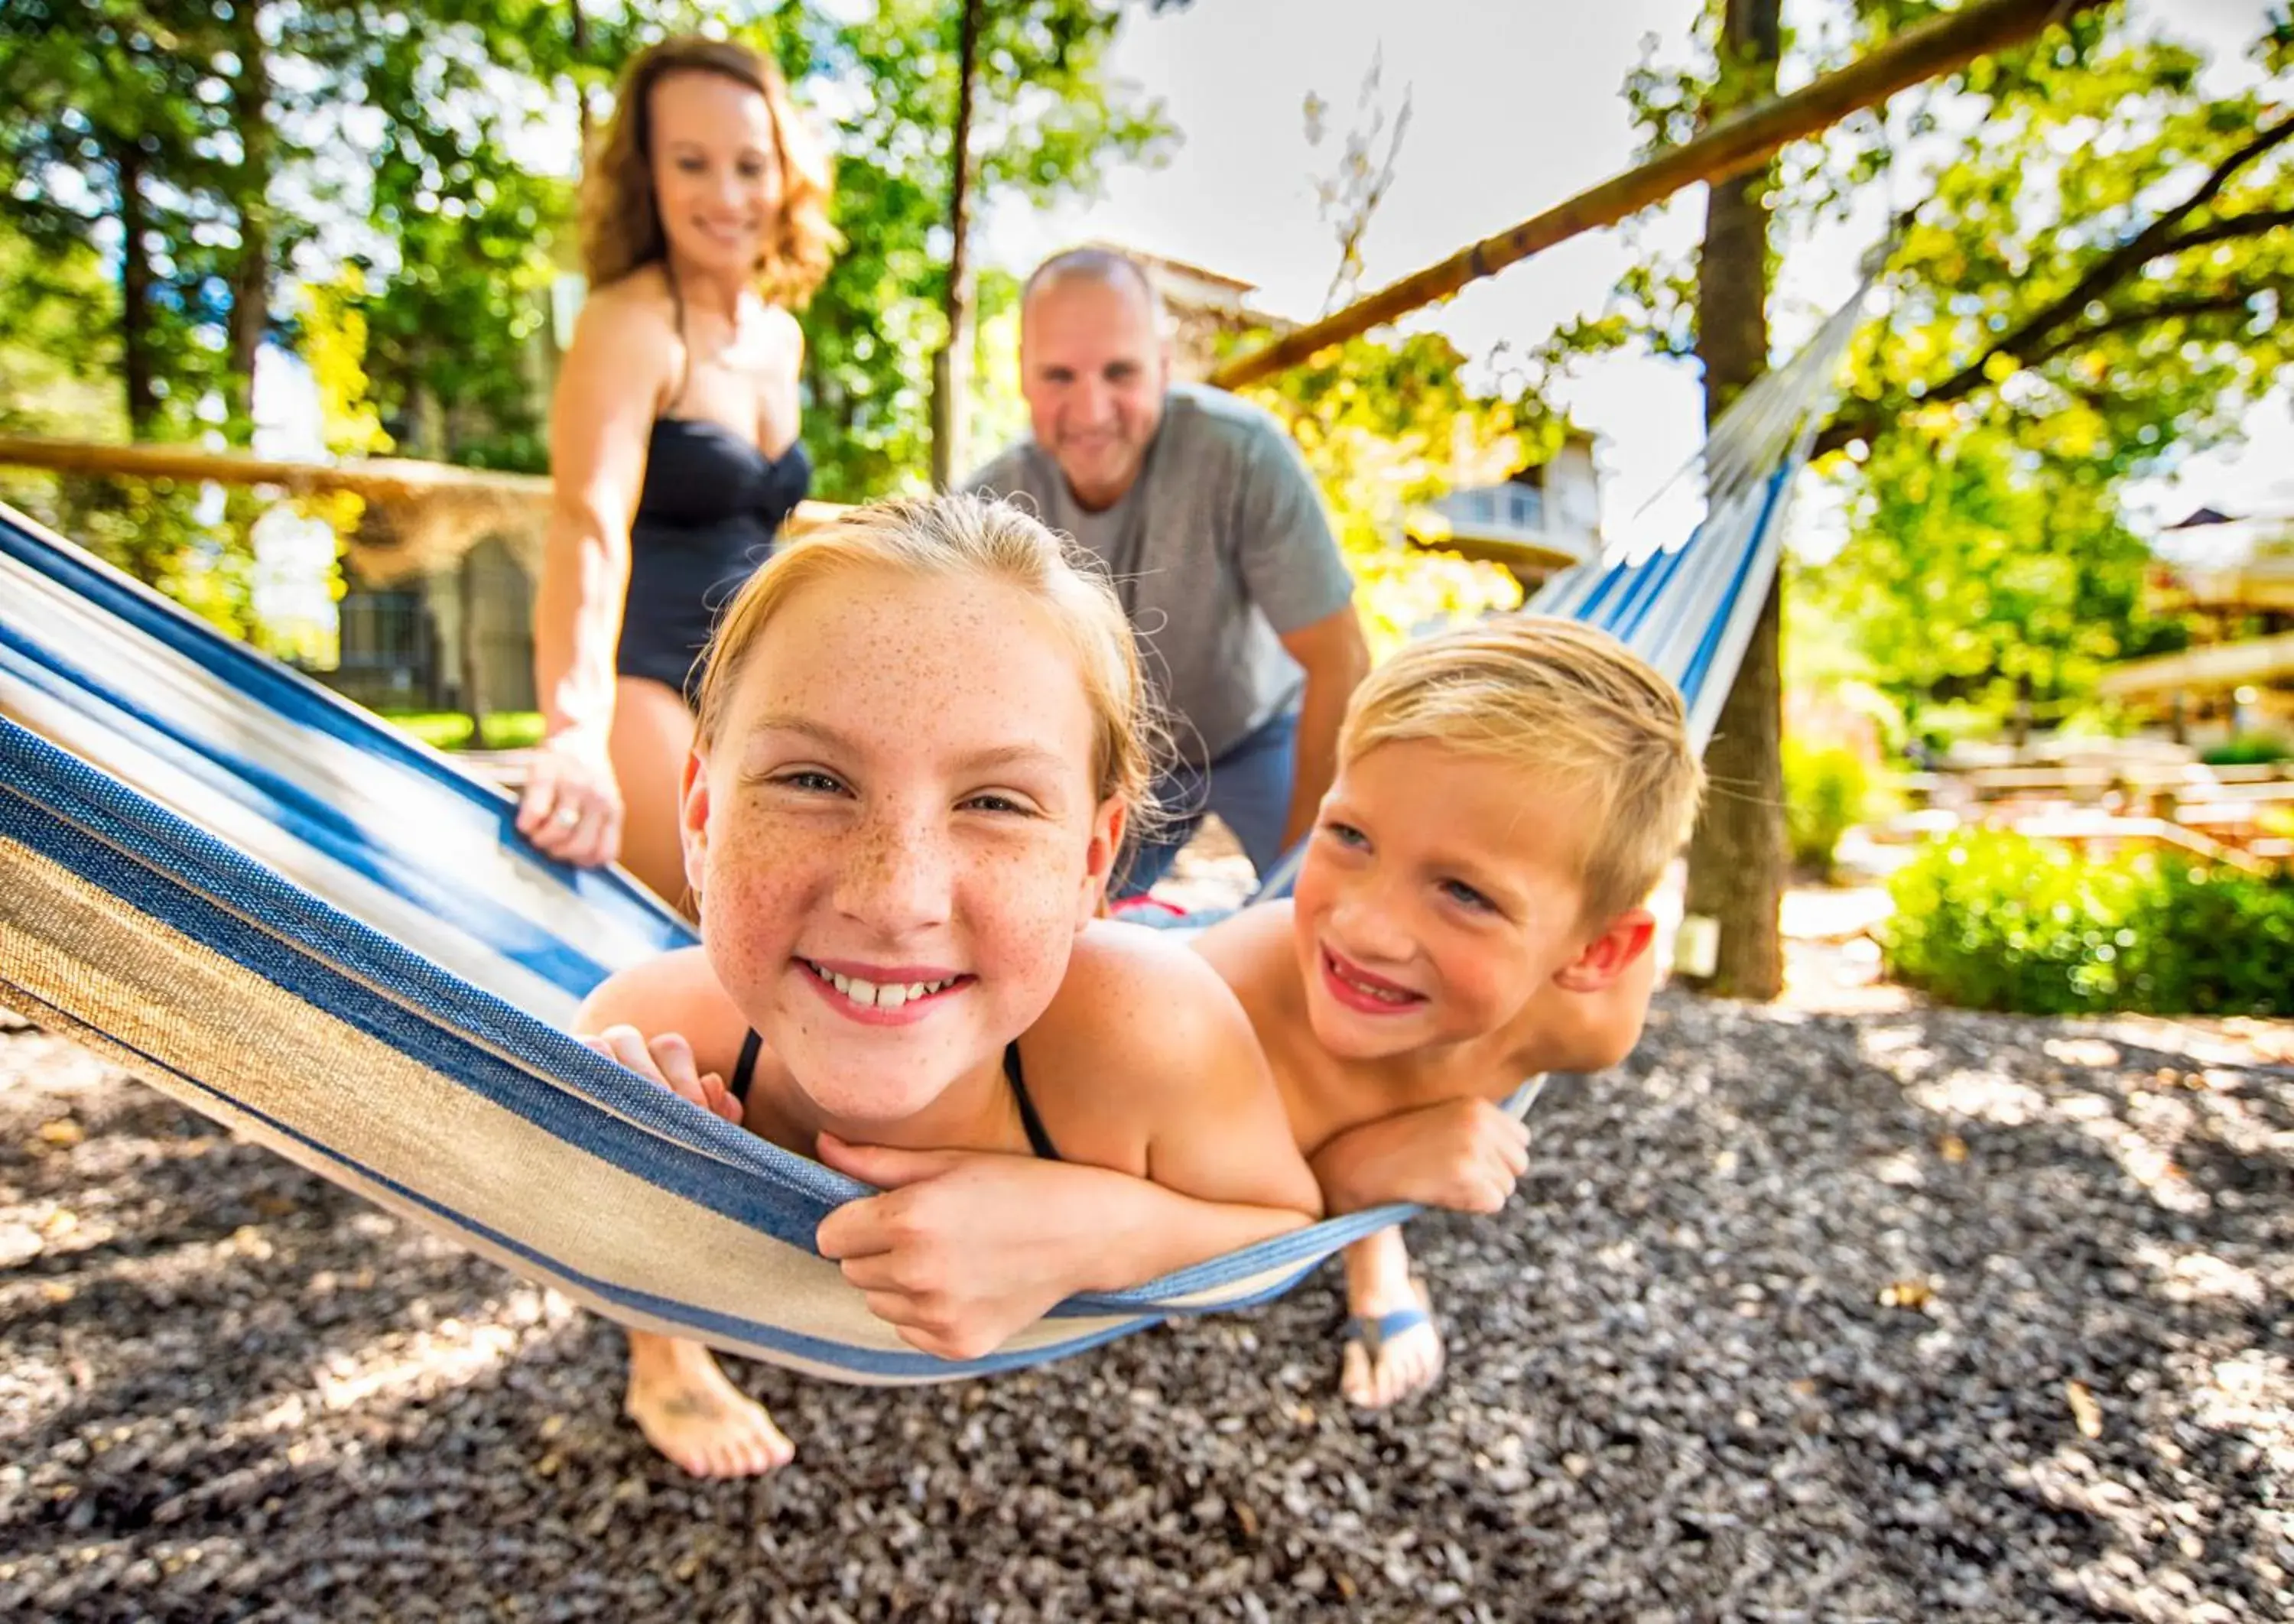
<point x="272" y="907"/>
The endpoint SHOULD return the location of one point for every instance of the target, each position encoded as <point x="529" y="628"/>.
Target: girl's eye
<point x="992" y="802"/>
<point x="809" y="782"/>
<point x="1465" y="896"/>
<point x="1345" y="834"/>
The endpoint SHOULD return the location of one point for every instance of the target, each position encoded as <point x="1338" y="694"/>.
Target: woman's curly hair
<point x="620" y="220"/>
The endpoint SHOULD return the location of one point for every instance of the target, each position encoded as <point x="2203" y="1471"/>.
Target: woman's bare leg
<point x="653" y="734"/>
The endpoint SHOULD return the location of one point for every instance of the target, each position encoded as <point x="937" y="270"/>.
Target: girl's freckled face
<point x="901" y="798"/>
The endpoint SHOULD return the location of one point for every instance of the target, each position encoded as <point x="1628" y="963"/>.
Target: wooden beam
<point x="2217" y="666"/>
<point x="1730" y="148"/>
<point x="379" y="479"/>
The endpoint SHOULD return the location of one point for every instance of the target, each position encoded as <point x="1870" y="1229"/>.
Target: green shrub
<point x="2248" y="750"/>
<point x="1828" y="790"/>
<point x="451" y="729"/>
<point x="1992" y="920"/>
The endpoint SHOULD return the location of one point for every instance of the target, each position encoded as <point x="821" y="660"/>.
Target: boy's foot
<point x="1391" y="1352"/>
<point x="690" y="1411"/>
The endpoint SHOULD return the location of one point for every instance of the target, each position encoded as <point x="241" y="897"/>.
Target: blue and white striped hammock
<point x="274" y="908"/>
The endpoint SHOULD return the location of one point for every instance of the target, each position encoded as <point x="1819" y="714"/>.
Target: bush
<point x="1828" y="790"/>
<point x="2248" y="750"/>
<point x="1999" y="921"/>
<point x="451" y="729"/>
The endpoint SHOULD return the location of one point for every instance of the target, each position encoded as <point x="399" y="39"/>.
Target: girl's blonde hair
<point x="1571" y="707"/>
<point x="952" y="537"/>
<point x="620" y="218"/>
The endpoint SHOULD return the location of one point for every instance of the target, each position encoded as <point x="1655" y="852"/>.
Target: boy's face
<point x="1441" y="891"/>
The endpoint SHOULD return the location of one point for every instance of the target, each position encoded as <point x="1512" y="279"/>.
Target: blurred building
<point x="2234" y="576"/>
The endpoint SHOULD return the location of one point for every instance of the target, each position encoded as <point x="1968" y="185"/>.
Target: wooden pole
<point x="1728" y="149"/>
<point x="380" y="479"/>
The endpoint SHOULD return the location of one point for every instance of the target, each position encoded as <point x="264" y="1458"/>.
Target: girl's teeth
<point x="869" y="994"/>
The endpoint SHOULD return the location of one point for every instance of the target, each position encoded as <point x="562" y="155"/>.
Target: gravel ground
<point x="1897" y="1316"/>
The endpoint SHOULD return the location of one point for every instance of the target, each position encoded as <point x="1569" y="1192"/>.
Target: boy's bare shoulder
<point x="1249" y="943"/>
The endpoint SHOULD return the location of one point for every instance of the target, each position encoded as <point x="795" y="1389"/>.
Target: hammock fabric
<point x="332" y="941"/>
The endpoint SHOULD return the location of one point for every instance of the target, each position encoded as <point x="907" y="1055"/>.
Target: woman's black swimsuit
<point x="1039" y="1139"/>
<point x="711" y="504"/>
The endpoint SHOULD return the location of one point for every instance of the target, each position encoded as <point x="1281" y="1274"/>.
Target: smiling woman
<point x="673" y="440"/>
<point x="922" y="734"/>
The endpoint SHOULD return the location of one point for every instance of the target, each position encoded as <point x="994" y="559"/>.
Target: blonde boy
<point x="1470" y="913"/>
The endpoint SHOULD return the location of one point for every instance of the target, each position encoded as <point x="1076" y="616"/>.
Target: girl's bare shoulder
<point x="1140" y="1005"/>
<point x="672" y="992"/>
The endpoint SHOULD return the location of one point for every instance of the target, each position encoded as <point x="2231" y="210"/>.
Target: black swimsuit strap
<point x="745" y="1071"/>
<point x="1039" y="1139"/>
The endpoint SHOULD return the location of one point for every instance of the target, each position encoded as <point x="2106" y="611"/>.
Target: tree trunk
<point x="136" y="359"/>
<point x="1737" y="860"/>
<point x="250" y="283"/>
<point x="580" y="42"/>
<point x="952" y="367"/>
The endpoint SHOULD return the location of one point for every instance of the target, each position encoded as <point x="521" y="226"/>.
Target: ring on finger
<point x="566" y="817"/>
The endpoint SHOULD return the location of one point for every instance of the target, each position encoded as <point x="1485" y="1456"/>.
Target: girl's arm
<point x="1157" y="1053"/>
<point x="601" y="425"/>
<point x="657" y="1018"/>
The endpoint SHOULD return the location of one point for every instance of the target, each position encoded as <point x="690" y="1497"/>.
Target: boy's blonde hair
<point x="1566" y="704"/>
<point x="965" y="537"/>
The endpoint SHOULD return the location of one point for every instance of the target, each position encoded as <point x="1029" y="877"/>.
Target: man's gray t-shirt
<point x="1219" y="548"/>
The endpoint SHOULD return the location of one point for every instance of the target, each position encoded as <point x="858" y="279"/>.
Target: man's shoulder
<point x="1216" y="420"/>
<point x="1014" y="471"/>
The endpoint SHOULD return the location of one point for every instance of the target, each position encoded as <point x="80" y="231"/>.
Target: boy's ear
<point x="1609" y="955"/>
<point x="1099" y="860"/>
<point x="693" y="819"/>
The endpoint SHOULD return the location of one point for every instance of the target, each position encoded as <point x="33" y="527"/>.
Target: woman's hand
<point x="572" y="809"/>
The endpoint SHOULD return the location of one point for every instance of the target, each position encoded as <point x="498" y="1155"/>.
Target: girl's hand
<point x="965" y="1247"/>
<point x="667" y="1060"/>
<point x="572" y="809"/>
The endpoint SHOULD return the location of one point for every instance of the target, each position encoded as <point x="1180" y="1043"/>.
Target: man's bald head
<point x="1093" y="363"/>
<point x="1108" y="267"/>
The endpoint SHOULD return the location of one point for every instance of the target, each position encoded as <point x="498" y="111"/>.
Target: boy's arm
<point x="1466" y="1154"/>
<point x="1461" y="1153"/>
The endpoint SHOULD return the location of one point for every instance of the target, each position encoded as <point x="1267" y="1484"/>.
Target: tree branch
<point x="2153" y="240"/>
<point x="2232" y="228"/>
<point x="2161" y="310"/>
<point x="2156" y="238"/>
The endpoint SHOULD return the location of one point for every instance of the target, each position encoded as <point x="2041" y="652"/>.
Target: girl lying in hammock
<point x="919" y="744"/>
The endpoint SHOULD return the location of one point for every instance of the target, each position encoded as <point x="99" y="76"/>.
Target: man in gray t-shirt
<point x="1206" y="517"/>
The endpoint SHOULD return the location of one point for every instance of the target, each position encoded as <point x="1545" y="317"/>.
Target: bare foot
<point x="1393" y="1350"/>
<point x="691" y="1413"/>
